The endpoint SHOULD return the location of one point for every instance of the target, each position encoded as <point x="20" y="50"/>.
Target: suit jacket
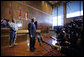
<point x="32" y="30"/>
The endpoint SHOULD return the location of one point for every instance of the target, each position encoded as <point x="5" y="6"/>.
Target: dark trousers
<point x="40" y="40"/>
<point x="32" y="43"/>
<point x="12" y="37"/>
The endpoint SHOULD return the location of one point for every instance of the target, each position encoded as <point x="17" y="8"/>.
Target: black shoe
<point x="32" y="50"/>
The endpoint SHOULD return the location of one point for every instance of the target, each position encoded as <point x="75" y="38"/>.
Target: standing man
<point x="13" y="29"/>
<point x="32" y="34"/>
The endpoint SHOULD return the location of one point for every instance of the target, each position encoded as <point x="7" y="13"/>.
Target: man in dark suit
<point x="32" y="34"/>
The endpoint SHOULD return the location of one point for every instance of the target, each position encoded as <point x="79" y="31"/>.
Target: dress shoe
<point x="10" y="46"/>
<point x="15" y="44"/>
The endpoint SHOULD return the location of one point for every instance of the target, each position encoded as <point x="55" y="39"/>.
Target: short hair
<point x="32" y="20"/>
<point x="13" y="20"/>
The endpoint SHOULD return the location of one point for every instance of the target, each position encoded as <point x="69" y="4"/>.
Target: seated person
<point x="76" y="50"/>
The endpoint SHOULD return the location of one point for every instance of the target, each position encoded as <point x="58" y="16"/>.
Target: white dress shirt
<point x="13" y="26"/>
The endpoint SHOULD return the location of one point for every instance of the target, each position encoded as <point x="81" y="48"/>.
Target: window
<point x="59" y="21"/>
<point x="54" y="21"/>
<point x="81" y="8"/>
<point x="74" y="9"/>
<point x="58" y="16"/>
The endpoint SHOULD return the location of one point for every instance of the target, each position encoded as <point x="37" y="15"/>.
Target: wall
<point x="41" y="11"/>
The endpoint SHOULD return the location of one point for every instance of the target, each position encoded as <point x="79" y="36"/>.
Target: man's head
<point x="13" y="20"/>
<point x="33" y="19"/>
